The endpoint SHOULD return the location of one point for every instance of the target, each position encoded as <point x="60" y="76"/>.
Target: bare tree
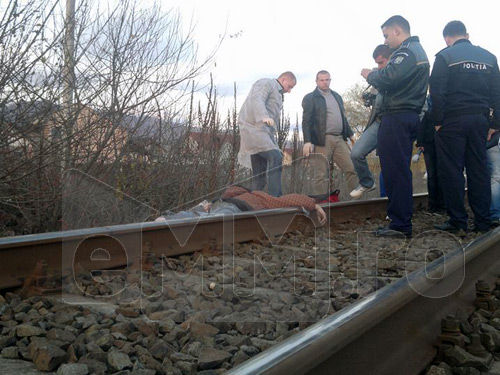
<point x="357" y="113"/>
<point x="132" y="68"/>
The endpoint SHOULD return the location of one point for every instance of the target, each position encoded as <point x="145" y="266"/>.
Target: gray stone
<point x="119" y="361"/>
<point x="12" y="352"/>
<point x="143" y="372"/>
<point x="458" y="357"/>
<point x="6" y="341"/>
<point x="212" y="358"/>
<point x="166" y="324"/>
<point x="262" y="344"/>
<point x="200" y="330"/>
<point x="495" y="368"/>
<point x="181" y="357"/>
<point x="27" y="330"/>
<point x="495" y="322"/>
<point x="176" y="334"/>
<point x="171" y="370"/>
<point x="249" y="350"/>
<point x="15" y="366"/>
<point x="127" y="312"/>
<point x="239" y="357"/>
<point x="73" y="369"/>
<point x="193" y="349"/>
<point x="152" y="363"/>
<point x="160" y="350"/>
<point x="119" y="336"/>
<point x="61" y="335"/>
<point x="12" y="298"/>
<point x="105" y="342"/>
<point x="65" y="316"/>
<point x="251" y="328"/>
<point x="76" y="351"/>
<point x="87" y="321"/>
<point x="45" y="356"/>
<point x="466" y="371"/>
<point x="146" y="328"/>
<point x="95" y="367"/>
<point x="187" y="368"/>
<point x="22" y="307"/>
<point x="125" y="328"/>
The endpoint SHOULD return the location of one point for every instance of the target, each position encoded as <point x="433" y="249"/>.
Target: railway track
<point x="400" y="319"/>
<point x="120" y="245"/>
<point x="394" y="330"/>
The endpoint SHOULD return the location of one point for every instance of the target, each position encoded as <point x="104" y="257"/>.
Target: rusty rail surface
<point x="394" y="330"/>
<point x="118" y="246"/>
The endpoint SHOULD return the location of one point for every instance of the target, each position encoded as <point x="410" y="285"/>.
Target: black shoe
<point x="388" y="232"/>
<point x="448" y="227"/>
<point x="495" y="223"/>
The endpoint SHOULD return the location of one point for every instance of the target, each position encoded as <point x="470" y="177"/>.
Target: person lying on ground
<point x="239" y="199"/>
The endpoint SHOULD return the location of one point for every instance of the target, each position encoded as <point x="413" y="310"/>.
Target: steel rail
<point x="392" y="331"/>
<point x="119" y="245"/>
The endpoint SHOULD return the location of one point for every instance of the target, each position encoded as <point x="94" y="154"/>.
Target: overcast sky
<point x="272" y="36"/>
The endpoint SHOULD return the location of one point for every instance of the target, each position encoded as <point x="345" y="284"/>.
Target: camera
<point x="368" y="98"/>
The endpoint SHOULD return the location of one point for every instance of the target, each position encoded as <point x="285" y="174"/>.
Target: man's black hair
<point x="382" y="50"/>
<point x="397" y="21"/>
<point x="454" y="28"/>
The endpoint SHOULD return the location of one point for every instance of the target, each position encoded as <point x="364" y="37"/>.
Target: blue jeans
<point x="266" y="167"/>
<point x="365" y="144"/>
<point x="218" y="208"/>
<point x="223" y="208"/>
<point x="493" y="155"/>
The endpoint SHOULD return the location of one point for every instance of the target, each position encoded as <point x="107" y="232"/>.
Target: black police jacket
<point x="403" y="82"/>
<point x="314" y="118"/>
<point x="465" y="80"/>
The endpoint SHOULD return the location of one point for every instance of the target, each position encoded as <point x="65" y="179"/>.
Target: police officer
<point x="403" y="84"/>
<point x="464" y="85"/>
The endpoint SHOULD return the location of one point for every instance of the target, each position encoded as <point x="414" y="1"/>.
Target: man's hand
<point x="321" y="214"/>
<point x="365" y="72"/>
<point x="437" y="127"/>
<point x="491" y="132"/>
<point x="269" y="121"/>
<point x="308" y="148"/>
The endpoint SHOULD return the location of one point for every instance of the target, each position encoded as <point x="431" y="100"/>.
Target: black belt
<point x="334" y="134"/>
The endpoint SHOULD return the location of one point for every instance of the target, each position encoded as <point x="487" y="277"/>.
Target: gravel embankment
<point x="207" y="312"/>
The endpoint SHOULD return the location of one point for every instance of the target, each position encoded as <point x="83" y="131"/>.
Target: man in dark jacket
<point x="325" y="130"/>
<point x="464" y="85"/>
<point x="403" y="84"/>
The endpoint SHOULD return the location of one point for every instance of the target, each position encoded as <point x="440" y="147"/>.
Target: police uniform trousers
<point x="434" y="185"/>
<point x="396" y="135"/>
<point x="461" y="142"/>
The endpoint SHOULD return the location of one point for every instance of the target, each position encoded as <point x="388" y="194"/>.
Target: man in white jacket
<point x="259" y="115"/>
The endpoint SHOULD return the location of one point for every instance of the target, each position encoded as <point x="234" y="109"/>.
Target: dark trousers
<point x="461" y="142"/>
<point x="434" y="188"/>
<point x="396" y="135"/>
<point x="266" y="169"/>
